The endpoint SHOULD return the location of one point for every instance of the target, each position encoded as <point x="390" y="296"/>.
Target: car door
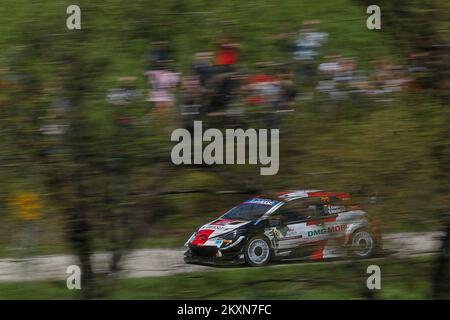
<point x="327" y="231"/>
<point x="292" y="226"/>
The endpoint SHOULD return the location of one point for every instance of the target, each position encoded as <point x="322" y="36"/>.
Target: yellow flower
<point x="26" y="206"/>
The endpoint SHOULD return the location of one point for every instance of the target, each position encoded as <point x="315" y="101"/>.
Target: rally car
<point x="310" y="224"/>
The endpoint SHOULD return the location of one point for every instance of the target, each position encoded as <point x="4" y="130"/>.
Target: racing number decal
<point x="290" y="235"/>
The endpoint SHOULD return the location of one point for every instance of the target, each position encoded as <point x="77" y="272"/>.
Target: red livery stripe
<point x="319" y="194"/>
<point x="318" y="254"/>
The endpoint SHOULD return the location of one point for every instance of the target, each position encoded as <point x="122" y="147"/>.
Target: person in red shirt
<point x="260" y="84"/>
<point x="226" y="55"/>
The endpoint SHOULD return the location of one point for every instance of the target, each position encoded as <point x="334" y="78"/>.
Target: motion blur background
<point x="86" y="117"/>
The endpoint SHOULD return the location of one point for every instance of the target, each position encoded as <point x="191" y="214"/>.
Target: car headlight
<point x="233" y="234"/>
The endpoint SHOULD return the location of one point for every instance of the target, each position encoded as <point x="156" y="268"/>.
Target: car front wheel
<point x="257" y="251"/>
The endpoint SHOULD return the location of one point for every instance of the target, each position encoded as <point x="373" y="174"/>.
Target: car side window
<point x="334" y="206"/>
<point x="295" y="211"/>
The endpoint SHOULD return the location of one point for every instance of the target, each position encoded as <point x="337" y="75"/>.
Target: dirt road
<point x="160" y="262"/>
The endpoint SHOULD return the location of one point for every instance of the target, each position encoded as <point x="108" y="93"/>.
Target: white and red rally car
<point x="304" y="223"/>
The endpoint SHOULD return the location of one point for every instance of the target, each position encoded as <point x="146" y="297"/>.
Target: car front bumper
<point x="214" y="255"/>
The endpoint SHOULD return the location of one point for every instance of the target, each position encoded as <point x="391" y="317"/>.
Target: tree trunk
<point x="441" y="275"/>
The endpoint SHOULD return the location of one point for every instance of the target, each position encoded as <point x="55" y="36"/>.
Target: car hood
<point x="216" y="228"/>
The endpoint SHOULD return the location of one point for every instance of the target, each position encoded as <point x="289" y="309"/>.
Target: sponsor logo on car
<point x="266" y="202"/>
<point x="323" y="231"/>
<point x="213" y="227"/>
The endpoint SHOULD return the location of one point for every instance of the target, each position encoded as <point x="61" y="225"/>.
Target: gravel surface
<point x="160" y="262"/>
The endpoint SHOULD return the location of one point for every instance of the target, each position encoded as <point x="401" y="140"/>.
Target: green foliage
<point x="366" y="148"/>
<point x="401" y="279"/>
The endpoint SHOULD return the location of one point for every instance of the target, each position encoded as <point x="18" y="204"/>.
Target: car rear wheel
<point x="257" y="251"/>
<point x="363" y="243"/>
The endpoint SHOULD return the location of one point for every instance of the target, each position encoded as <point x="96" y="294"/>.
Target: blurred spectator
<point x="162" y="82"/>
<point x="339" y="77"/>
<point x="191" y="100"/>
<point x="226" y="55"/>
<point x="125" y="93"/>
<point x="328" y="83"/>
<point x="306" y="49"/>
<point x="265" y="93"/>
<point x="262" y="86"/>
<point x="202" y="66"/>
<point x="387" y="78"/>
<point x="159" y="51"/>
<point x="309" y="41"/>
<point x="288" y="90"/>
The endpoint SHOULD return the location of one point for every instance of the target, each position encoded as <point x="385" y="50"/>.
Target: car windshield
<point x="251" y="209"/>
